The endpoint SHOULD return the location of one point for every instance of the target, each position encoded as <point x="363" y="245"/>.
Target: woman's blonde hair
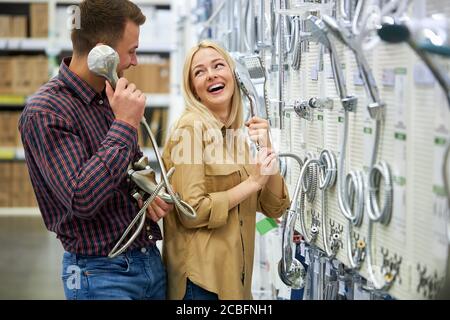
<point x="235" y="120"/>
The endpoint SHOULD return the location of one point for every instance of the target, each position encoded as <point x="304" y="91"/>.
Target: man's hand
<point x="157" y="209"/>
<point x="127" y="102"/>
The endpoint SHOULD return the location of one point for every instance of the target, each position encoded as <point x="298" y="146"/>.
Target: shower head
<point x="254" y="66"/>
<point x="243" y="79"/>
<point x="103" y="61"/>
<point x="319" y="31"/>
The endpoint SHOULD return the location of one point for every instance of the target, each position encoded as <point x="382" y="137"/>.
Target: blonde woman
<point x="211" y="256"/>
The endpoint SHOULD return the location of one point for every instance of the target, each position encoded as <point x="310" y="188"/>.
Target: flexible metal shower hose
<point x="327" y="179"/>
<point x="296" y="44"/>
<point x="140" y="215"/>
<point x="180" y="205"/>
<point x="305" y="175"/>
<point x="352" y="191"/>
<point x="377" y="173"/>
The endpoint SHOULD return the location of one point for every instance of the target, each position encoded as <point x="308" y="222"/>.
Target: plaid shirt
<point x="77" y="155"/>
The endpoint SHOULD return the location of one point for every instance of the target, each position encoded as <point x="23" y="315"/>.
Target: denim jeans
<point x="137" y="274"/>
<point x="194" y="292"/>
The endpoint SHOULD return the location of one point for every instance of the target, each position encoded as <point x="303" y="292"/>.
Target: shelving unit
<point x="54" y="48"/>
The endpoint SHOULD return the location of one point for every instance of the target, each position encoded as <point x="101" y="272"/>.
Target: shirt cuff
<point x="272" y="204"/>
<point x="124" y="133"/>
<point x="219" y="209"/>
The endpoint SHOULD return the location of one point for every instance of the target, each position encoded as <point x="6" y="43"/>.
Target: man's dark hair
<point x="103" y="21"/>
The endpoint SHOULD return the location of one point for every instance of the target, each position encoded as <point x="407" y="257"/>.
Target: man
<point x="79" y="140"/>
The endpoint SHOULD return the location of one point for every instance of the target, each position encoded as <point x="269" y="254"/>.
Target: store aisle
<point x="30" y="259"/>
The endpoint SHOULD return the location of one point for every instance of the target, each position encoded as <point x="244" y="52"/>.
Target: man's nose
<point x="134" y="60"/>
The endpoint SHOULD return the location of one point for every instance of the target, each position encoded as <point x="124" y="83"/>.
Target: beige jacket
<point x="215" y="250"/>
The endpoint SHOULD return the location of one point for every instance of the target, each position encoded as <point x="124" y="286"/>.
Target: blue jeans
<point x="194" y="292"/>
<point x="137" y="274"/>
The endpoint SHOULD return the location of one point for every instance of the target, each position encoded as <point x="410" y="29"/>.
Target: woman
<point x="211" y="256"/>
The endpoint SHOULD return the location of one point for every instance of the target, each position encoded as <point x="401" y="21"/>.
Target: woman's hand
<point x="266" y="165"/>
<point x="258" y="130"/>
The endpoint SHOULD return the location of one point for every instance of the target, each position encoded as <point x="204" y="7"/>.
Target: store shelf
<point x="139" y="2"/>
<point x="19" y="211"/>
<point x="42" y="44"/>
<point x="157" y="100"/>
<point x="18" y="153"/>
<point x="24" y="44"/>
<point x="12" y="153"/>
<point x="143" y="48"/>
<point x="16" y="100"/>
<point x="8" y="101"/>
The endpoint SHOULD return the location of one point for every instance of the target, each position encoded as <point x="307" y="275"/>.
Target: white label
<point x="399" y="208"/>
<point x="328" y="268"/>
<point x="360" y="294"/>
<point x="316" y="265"/>
<point x="357" y="79"/>
<point x="314" y="73"/>
<point x="302" y="249"/>
<point x="399" y="173"/>
<point x="388" y="78"/>
<point x="440" y="204"/>
<point x="400" y="100"/>
<point x="340" y="128"/>
<point x="284" y="292"/>
<point x="327" y="70"/>
<point x="442" y="114"/>
<point x="320" y="122"/>
<point x="368" y="142"/>
<point x="341" y="288"/>
<point x="287" y="131"/>
<point x="307" y="261"/>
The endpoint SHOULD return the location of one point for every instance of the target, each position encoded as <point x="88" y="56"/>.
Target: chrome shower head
<point x="103" y="61"/>
<point x="243" y="79"/>
<point x="318" y="30"/>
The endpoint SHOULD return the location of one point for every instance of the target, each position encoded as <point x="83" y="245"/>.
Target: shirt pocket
<point x="221" y="177"/>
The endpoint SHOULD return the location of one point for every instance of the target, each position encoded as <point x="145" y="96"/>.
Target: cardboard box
<point x="15" y="126"/>
<point x="22" y="74"/>
<point x="39" y="20"/>
<point x="5" y="26"/>
<point x="19" y="27"/>
<point x="39" y="72"/>
<point x="5" y="186"/>
<point x="148" y="79"/>
<point x="7" y="75"/>
<point x="164" y="78"/>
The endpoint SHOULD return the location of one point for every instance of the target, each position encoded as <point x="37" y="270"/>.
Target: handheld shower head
<point x="245" y="84"/>
<point x="318" y="29"/>
<point x="103" y="61"/>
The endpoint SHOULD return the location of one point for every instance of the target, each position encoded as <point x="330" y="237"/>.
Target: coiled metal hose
<point x="327" y="179"/>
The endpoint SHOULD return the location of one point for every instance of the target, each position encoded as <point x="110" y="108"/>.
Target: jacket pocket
<point x="221" y="177"/>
